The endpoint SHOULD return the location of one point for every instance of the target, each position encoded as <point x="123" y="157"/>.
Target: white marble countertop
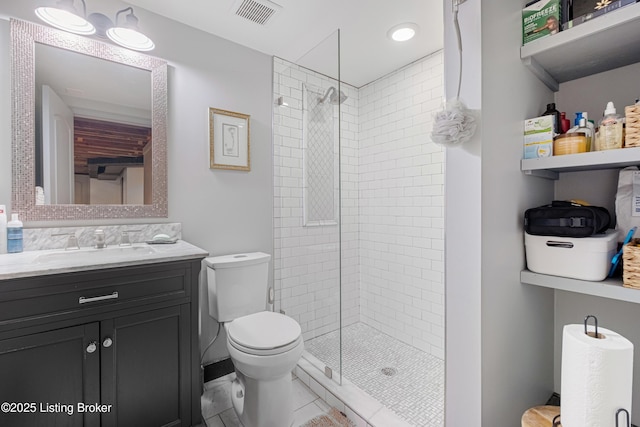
<point x="55" y="261"/>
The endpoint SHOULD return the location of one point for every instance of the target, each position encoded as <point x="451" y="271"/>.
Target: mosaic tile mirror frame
<point x="24" y="36"/>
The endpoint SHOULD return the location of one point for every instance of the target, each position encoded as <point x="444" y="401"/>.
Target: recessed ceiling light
<point x="403" y="32"/>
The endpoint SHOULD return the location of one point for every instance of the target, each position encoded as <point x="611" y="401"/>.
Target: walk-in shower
<point x="358" y="228"/>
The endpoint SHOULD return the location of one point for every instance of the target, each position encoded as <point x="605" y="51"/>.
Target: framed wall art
<point x="229" y="140"/>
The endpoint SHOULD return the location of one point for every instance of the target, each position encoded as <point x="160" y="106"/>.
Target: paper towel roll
<point x="596" y="379"/>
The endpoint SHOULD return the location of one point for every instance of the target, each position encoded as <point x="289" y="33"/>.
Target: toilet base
<point x="264" y="403"/>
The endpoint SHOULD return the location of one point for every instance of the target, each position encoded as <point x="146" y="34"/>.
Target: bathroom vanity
<point x="91" y="338"/>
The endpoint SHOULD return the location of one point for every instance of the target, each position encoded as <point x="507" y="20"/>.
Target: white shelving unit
<point x="549" y="167"/>
<point x="611" y="41"/>
<point x="609" y="288"/>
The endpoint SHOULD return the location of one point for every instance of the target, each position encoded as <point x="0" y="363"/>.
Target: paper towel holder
<point x="628" y="424"/>
<point x="595" y="321"/>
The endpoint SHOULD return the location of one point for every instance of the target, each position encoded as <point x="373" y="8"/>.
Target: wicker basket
<point x="632" y="137"/>
<point x="631" y="264"/>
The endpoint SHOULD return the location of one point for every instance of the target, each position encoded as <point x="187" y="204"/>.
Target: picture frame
<point x="229" y="140"/>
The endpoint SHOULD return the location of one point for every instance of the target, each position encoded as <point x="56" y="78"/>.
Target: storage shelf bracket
<point x="542" y="173"/>
<point x="541" y="73"/>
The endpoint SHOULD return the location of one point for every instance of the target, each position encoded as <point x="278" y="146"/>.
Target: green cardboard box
<point x="539" y="19"/>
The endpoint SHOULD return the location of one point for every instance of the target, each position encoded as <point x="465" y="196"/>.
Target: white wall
<point x="516" y="353"/>
<point x="402" y="206"/>
<point x="221" y="211"/>
<point x="498" y="348"/>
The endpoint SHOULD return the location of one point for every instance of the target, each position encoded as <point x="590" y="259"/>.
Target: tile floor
<point x="415" y="392"/>
<point x="218" y="411"/>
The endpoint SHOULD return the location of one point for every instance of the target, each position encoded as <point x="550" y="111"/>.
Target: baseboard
<point x="218" y="369"/>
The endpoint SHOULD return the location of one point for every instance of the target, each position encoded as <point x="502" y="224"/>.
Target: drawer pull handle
<point x="84" y="300"/>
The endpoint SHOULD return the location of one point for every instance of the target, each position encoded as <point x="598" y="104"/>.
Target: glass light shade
<point x="403" y="32"/>
<point x="130" y="38"/>
<point x="65" y="20"/>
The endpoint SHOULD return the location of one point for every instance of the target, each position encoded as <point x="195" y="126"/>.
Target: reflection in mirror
<point x="89" y="128"/>
<point x="93" y="130"/>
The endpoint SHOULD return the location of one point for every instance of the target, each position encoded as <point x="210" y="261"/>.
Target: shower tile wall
<point x="402" y="206"/>
<point x="392" y="209"/>
<point x="306" y="260"/>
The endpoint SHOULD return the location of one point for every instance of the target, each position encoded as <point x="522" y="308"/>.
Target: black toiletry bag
<point x="566" y="219"/>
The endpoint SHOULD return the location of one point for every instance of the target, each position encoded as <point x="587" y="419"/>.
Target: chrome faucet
<point x="72" y="241"/>
<point x="100" y="239"/>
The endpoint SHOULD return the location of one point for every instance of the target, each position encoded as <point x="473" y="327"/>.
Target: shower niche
<point x="320" y="151"/>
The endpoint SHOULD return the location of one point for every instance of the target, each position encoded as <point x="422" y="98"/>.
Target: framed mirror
<point x="89" y="128"/>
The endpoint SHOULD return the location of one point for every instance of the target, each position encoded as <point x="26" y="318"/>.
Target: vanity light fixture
<point x="65" y="17"/>
<point x="403" y="32"/>
<point x="128" y="35"/>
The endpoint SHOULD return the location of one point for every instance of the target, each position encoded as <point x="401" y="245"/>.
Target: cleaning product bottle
<point x="551" y="111"/>
<point x="610" y="132"/>
<point x="3" y="229"/>
<point x="14" y="235"/>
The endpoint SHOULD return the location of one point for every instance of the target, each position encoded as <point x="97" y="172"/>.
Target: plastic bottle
<point x="584" y="128"/>
<point x="610" y="132"/>
<point x="576" y="121"/>
<point x="3" y="229"/>
<point x="566" y="123"/>
<point x="551" y="111"/>
<point x="591" y="125"/>
<point x="14" y="235"/>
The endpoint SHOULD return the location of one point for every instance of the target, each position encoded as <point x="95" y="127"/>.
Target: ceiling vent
<point x="259" y="12"/>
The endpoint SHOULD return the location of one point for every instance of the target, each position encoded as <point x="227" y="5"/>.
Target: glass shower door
<point x="307" y="227"/>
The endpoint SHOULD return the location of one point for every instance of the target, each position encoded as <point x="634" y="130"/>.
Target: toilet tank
<point x="237" y="284"/>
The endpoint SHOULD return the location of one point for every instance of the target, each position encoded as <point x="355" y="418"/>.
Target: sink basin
<point x="89" y="254"/>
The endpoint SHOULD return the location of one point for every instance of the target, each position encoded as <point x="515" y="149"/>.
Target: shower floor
<point x="415" y="388"/>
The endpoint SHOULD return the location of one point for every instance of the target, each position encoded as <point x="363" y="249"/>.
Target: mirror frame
<point x="24" y="35"/>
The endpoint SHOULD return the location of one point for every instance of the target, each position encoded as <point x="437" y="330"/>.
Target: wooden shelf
<point x="604" y="43"/>
<point x="549" y="167"/>
<point x="609" y="288"/>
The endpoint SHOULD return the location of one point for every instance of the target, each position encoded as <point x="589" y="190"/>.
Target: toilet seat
<point x="265" y="333"/>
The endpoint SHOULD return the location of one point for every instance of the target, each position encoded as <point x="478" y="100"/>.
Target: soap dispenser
<point x="610" y="131"/>
<point x="14" y="235"/>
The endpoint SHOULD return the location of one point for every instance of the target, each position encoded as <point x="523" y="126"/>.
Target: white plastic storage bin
<point x="584" y="258"/>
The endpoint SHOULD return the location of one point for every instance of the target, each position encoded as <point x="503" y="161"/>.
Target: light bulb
<point x="65" y="20"/>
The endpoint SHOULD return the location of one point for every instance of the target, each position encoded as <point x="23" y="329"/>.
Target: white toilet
<point x="264" y="346"/>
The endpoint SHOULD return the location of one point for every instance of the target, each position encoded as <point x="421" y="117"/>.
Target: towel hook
<point x="595" y="321"/>
<point x="628" y="424"/>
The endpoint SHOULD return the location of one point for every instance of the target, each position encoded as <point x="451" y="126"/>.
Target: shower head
<point x="332" y="95"/>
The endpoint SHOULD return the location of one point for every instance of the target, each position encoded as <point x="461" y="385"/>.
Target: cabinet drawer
<point x="81" y="291"/>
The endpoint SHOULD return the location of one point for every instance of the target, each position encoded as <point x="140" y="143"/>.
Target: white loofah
<point x="453" y="125"/>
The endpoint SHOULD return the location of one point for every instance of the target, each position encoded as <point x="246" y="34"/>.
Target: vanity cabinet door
<point x="47" y="374"/>
<point x="146" y="367"/>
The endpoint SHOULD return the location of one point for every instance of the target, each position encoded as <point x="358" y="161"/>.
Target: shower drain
<point x="389" y="371"/>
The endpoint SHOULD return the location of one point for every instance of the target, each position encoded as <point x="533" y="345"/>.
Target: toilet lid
<point x="263" y="331"/>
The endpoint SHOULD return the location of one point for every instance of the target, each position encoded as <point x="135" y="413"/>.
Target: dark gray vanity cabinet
<point x="122" y="341"/>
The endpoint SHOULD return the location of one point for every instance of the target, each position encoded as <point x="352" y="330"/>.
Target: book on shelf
<point x="601" y="7"/>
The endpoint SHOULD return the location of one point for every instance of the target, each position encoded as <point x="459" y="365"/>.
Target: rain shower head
<point x="332" y="95"/>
